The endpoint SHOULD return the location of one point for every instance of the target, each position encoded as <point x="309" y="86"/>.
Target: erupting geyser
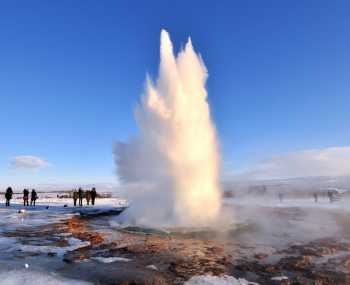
<point x="177" y="147"/>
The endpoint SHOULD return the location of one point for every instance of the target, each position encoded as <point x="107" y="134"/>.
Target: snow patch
<point x="110" y="259"/>
<point x="97" y="211"/>
<point x="73" y="245"/>
<point x="215" y="280"/>
<point x="279" y="278"/>
<point x="152" y="267"/>
<point x="6" y="243"/>
<point x="25" y="277"/>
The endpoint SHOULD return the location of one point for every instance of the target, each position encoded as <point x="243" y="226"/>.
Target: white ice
<point x="279" y="278"/>
<point x="28" y="277"/>
<point x="323" y="203"/>
<point x="13" y="219"/>
<point x="110" y="259"/>
<point x="215" y="280"/>
<point x="60" y="251"/>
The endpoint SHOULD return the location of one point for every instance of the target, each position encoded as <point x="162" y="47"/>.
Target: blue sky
<point x="71" y="73"/>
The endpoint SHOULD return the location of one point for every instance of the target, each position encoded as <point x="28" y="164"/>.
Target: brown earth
<point x="176" y="258"/>
<point x="320" y="262"/>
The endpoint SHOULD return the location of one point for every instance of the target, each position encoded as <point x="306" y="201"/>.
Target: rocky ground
<point x="135" y="255"/>
<point x="318" y="262"/>
<point x="157" y="258"/>
<point x="160" y="258"/>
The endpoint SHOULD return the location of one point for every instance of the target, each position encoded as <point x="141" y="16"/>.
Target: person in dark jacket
<point x="93" y="195"/>
<point x="280" y="197"/>
<point x="330" y="195"/>
<point x="80" y="196"/>
<point x="8" y="196"/>
<point x="25" y="197"/>
<point x="75" y="197"/>
<point x="33" y="198"/>
<point x="88" y="196"/>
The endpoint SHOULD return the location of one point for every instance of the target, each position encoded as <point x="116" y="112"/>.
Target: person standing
<point x="93" y="195"/>
<point x="330" y="195"/>
<point x="33" y="197"/>
<point x="75" y="197"/>
<point x="80" y="196"/>
<point x="25" y="197"/>
<point x="280" y="197"/>
<point x="88" y="196"/>
<point x="8" y="196"/>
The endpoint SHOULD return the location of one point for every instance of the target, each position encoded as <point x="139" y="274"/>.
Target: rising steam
<point x="177" y="150"/>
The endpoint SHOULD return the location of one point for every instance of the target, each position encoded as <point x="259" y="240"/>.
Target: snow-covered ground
<point x="30" y="277"/>
<point x="268" y="221"/>
<point x="215" y="280"/>
<point x="50" y="210"/>
<point x="53" y="199"/>
<point x="322" y="204"/>
<point x="22" y="220"/>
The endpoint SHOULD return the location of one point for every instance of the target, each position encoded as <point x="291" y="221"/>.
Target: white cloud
<point x="333" y="161"/>
<point x="29" y="162"/>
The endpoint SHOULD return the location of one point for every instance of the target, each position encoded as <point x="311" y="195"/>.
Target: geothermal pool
<point x="258" y="241"/>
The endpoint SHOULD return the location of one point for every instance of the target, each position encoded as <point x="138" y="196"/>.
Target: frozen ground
<point x="303" y="203"/>
<point x="30" y="277"/>
<point x="253" y="226"/>
<point x="214" y="280"/>
<point x="50" y="210"/>
<point x="23" y="254"/>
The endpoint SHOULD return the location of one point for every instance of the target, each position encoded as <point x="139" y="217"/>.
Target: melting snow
<point x="110" y="259"/>
<point x="27" y="277"/>
<point x="279" y="278"/>
<point x="215" y="280"/>
<point x="152" y="267"/>
<point x="73" y="245"/>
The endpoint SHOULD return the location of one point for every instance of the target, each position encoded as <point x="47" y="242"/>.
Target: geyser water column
<point x="178" y="139"/>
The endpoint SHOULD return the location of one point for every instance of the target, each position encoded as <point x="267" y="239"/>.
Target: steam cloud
<point x="176" y="154"/>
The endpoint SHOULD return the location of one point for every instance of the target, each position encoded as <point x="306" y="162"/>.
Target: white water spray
<point x="178" y="148"/>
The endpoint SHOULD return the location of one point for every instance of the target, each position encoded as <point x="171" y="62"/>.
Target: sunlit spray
<point x="177" y="148"/>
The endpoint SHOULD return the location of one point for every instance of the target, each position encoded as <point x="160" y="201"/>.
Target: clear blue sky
<point x="71" y="73"/>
